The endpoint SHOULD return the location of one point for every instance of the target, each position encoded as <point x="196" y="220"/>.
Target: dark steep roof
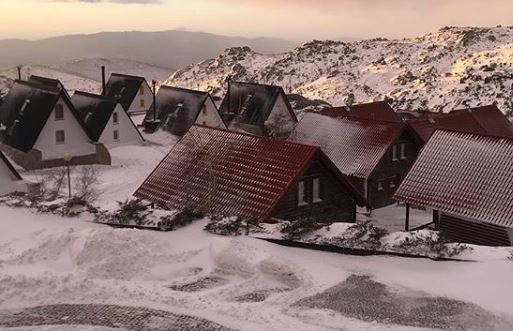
<point x="487" y="120"/>
<point x="9" y="165"/>
<point x="356" y="146"/>
<point x="464" y="174"/>
<point x="252" y="103"/>
<point x="26" y="110"/>
<point x="379" y="110"/>
<point x="96" y="111"/>
<point x="178" y="108"/>
<point x="252" y="173"/>
<point x="123" y="88"/>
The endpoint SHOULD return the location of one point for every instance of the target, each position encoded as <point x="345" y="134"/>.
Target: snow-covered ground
<point x="241" y="283"/>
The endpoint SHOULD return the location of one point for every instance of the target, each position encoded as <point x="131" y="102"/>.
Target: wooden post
<point x="407" y="221"/>
<point x="436" y="219"/>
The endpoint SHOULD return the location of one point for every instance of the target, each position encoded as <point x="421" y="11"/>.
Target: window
<point x="301" y="194"/>
<point x="141" y="90"/>
<point x="380" y="186"/>
<point x="394" y="153"/>
<point x="316" y="190"/>
<point x="59" y="137"/>
<point x="392" y="183"/>
<point x="116" y="135"/>
<point x="59" y="112"/>
<point x="204" y="109"/>
<point x="403" y="151"/>
<point x="141" y="103"/>
<point x="115" y="118"/>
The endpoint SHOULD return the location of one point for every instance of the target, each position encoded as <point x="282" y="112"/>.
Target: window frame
<point x="115" y="118"/>
<point x="142" y="103"/>
<point x="316" y="190"/>
<point x="59" y="108"/>
<point x="115" y="135"/>
<point x="380" y="186"/>
<point x="301" y="193"/>
<point x="57" y="136"/>
<point x="394" y="153"/>
<point x="402" y="151"/>
<point x="141" y="90"/>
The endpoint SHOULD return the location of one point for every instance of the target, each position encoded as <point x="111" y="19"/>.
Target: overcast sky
<point x="299" y="20"/>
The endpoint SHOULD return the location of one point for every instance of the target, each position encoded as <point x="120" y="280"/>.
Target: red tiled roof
<point x="464" y="174"/>
<point x="488" y="120"/>
<point x="250" y="173"/>
<point x="380" y="110"/>
<point x="355" y="146"/>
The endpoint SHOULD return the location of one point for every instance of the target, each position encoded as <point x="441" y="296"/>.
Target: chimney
<point x="154" y="91"/>
<point x="229" y="81"/>
<point x="104" y="92"/>
<point x="19" y="72"/>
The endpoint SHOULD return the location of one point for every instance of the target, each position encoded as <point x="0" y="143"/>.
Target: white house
<point x="132" y="92"/>
<point x="106" y="120"/>
<point x="10" y="179"/>
<point x="258" y="109"/>
<point x="40" y="125"/>
<point x="178" y="109"/>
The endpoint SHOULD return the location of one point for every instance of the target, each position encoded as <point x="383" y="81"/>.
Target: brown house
<point x="487" y="120"/>
<point x="235" y="174"/>
<point x="373" y="152"/>
<point x="466" y="179"/>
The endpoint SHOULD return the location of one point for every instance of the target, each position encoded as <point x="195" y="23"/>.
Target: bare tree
<point x="53" y="183"/>
<point x="85" y="184"/>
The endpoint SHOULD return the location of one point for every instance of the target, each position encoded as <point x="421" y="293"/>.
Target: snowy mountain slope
<point x="91" y="68"/>
<point x="84" y="74"/>
<point x="448" y="69"/>
<point x="72" y="82"/>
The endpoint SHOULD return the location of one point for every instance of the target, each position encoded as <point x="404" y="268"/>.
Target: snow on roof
<point x="355" y="146"/>
<point x="228" y="173"/>
<point x="123" y="88"/>
<point x="253" y="102"/>
<point x="379" y="110"/>
<point x="487" y="120"/>
<point x="463" y="174"/>
<point x="182" y="105"/>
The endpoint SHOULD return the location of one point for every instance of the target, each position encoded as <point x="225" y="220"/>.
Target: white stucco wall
<point x="280" y="113"/>
<point x="76" y="140"/>
<point x="128" y="134"/>
<point x="210" y="116"/>
<point x="147" y="96"/>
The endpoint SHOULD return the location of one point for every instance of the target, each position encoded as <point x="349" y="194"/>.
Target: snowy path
<point x="240" y="283"/>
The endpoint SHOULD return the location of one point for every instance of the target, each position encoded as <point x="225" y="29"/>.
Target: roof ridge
<point x="38" y="85"/>
<point x="176" y="88"/>
<point x="97" y="96"/>
<point x="127" y="76"/>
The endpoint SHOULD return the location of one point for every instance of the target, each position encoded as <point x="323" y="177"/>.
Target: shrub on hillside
<point x="294" y="230"/>
<point x="233" y="226"/>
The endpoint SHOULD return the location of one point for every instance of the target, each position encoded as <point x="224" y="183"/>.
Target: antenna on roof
<point x="229" y="81"/>
<point x="104" y="92"/>
<point x="154" y="92"/>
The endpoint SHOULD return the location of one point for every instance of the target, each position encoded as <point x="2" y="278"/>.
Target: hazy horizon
<point x="295" y="20"/>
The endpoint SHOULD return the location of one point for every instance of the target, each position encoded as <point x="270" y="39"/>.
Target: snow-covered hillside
<point x="91" y="68"/>
<point x="448" y="69"/>
<point x="85" y="74"/>
<point x="72" y="82"/>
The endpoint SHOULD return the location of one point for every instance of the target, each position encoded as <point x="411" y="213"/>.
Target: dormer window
<point x="59" y="112"/>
